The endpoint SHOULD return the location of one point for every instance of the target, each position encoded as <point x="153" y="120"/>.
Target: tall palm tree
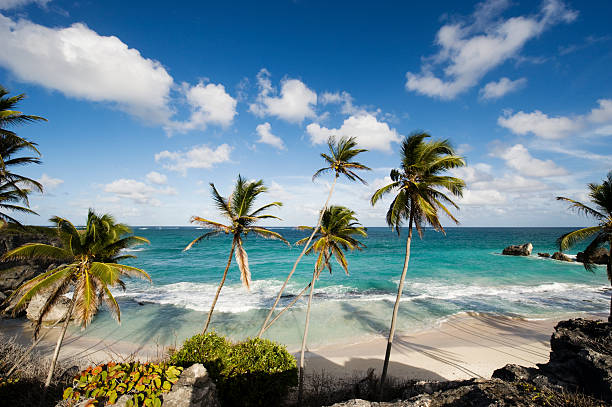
<point x="601" y="196"/>
<point x="418" y="199"/>
<point x="89" y="267"/>
<point x="335" y="235"/>
<point x="238" y="210"/>
<point x="339" y="161"/>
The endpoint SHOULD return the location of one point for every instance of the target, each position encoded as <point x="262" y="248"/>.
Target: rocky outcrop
<point x="194" y="388"/>
<point x="560" y="256"/>
<point x="544" y="255"/>
<point x="56" y="313"/>
<point x="518" y="250"/>
<point x="599" y="257"/>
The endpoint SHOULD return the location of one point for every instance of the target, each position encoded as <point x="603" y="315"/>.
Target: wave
<point x="235" y="298"/>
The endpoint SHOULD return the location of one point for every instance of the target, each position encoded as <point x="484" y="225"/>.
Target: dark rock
<point x="513" y="373"/>
<point x="600" y="256"/>
<point x="193" y="389"/>
<point x="518" y="250"/>
<point x="560" y="256"/>
<point x="544" y="254"/>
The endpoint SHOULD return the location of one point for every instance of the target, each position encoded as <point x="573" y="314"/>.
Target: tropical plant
<point x="339" y="161"/>
<point x="601" y="196"/>
<point x="335" y="235"/>
<point x="14" y="188"/>
<point x="238" y="210"/>
<point x="418" y="199"/>
<point x="89" y="259"/>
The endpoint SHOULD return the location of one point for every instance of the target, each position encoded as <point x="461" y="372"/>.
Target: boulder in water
<point x="599" y="257"/>
<point x="544" y="255"/>
<point x="560" y="256"/>
<point x="518" y="250"/>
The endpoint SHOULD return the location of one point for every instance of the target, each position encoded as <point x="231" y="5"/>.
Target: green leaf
<point x="67" y="393"/>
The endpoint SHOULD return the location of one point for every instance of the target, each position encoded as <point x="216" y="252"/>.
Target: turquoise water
<point x="460" y="272"/>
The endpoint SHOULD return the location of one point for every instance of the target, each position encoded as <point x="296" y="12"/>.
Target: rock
<point x="513" y="373"/>
<point x="599" y="257"/>
<point x="560" y="256"/>
<point x="56" y="313"/>
<point x="193" y="389"/>
<point x="544" y="255"/>
<point x="2" y="296"/>
<point x="518" y="250"/>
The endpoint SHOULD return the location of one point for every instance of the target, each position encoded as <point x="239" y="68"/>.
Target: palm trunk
<point x="301" y="382"/>
<point x="58" y="345"/>
<point x="297" y="297"/>
<point x="383" y="376"/>
<point x="212" y="307"/>
<point x="280" y="293"/>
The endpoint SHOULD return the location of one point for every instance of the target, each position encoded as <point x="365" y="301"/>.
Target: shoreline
<point x="463" y="346"/>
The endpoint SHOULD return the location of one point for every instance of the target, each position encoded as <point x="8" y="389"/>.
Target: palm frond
<point x="570" y="239"/>
<point x="582" y="208"/>
<point x="200" y="238"/>
<point x="268" y="234"/>
<point x="37" y="251"/>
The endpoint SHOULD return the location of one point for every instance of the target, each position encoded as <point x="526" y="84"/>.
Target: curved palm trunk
<point x="297" y="297"/>
<point x="212" y="307"/>
<point x="383" y="376"/>
<point x="316" y="229"/>
<point x="58" y="345"/>
<point x="301" y="380"/>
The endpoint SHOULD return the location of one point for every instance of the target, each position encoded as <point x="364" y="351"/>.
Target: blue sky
<point x="147" y="104"/>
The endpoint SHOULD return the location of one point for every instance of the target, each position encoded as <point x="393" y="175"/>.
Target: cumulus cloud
<point x="265" y="136"/>
<point x="539" y="124"/>
<point x="294" y="104"/>
<point x="495" y="90"/>
<point x="198" y="157"/>
<point x="603" y="113"/>
<point x="471" y="48"/>
<point x="50" y="183"/>
<point x="80" y="63"/>
<point x="371" y="133"/>
<point x="137" y="191"/>
<point x="10" y="4"/>
<point x="155" y="177"/>
<point x="518" y="158"/>
<point x="210" y="104"/>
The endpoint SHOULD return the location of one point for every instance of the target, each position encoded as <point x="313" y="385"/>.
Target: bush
<point x="256" y="372"/>
<point x="145" y="383"/>
<point x="208" y="349"/>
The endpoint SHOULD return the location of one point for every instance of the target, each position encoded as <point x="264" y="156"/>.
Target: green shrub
<point x="104" y="384"/>
<point x="208" y="349"/>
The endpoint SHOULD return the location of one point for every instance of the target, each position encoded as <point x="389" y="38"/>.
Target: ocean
<point x="462" y="271"/>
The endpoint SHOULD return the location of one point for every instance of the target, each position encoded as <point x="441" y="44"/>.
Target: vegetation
<point x="339" y="161"/>
<point x="418" y="199"/>
<point x="15" y="188"/>
<point x="338" y="226"/>
<point x="90" y="265"/>
<point x="601" y="197"/>
<point x="238" y="210"/>
<point x="145" y="383"/>
<point x="255" y="372"/>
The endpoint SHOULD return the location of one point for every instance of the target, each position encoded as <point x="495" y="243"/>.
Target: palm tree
<point x="335" y="234"/>
<point x="89" y="267"/>
<point x="601" y="196"/>
<point x="418" y="200"/>
<point x="238" y="209"/>
<point x="338" y="161"/>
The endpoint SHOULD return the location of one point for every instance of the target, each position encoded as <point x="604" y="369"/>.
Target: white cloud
<point x="539" y="124"/>
<point x="155" y="177"/>
<point x="471" y="49"/>
<point x="265" y="136"/>
<point x="10" y="4"/>
<point x="295" y="103"/>
<point x="518" y="158"/>
<point x="50" y="183"/>
<point x="137" y="191"/>
<point x="603" y="113"/>
<point x="345" y="100"/>
<point x="210" y="104"/>
<point x="495" y="90"/>
<point x="198" y="157"/>
<point x="80" y="63"/>
<point x="370" y="132"/>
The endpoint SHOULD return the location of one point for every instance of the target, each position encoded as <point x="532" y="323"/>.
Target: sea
<point x="449" y="274"/>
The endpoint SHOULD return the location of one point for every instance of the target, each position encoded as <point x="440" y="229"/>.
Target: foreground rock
<point x="560" y="256"/>
<point x="194" y="388"/>
<point x="600" y="256"/>
<point x="518" y="250"/>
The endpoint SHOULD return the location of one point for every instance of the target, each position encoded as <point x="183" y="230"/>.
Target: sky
<point x="149" y="103"/>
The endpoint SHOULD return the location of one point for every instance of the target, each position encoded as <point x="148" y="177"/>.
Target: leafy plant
<point x="208" y="349"/>
<point x="104" y="384"/>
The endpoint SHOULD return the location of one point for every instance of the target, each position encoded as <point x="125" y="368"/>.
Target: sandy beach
<point x="465" y="346"/>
